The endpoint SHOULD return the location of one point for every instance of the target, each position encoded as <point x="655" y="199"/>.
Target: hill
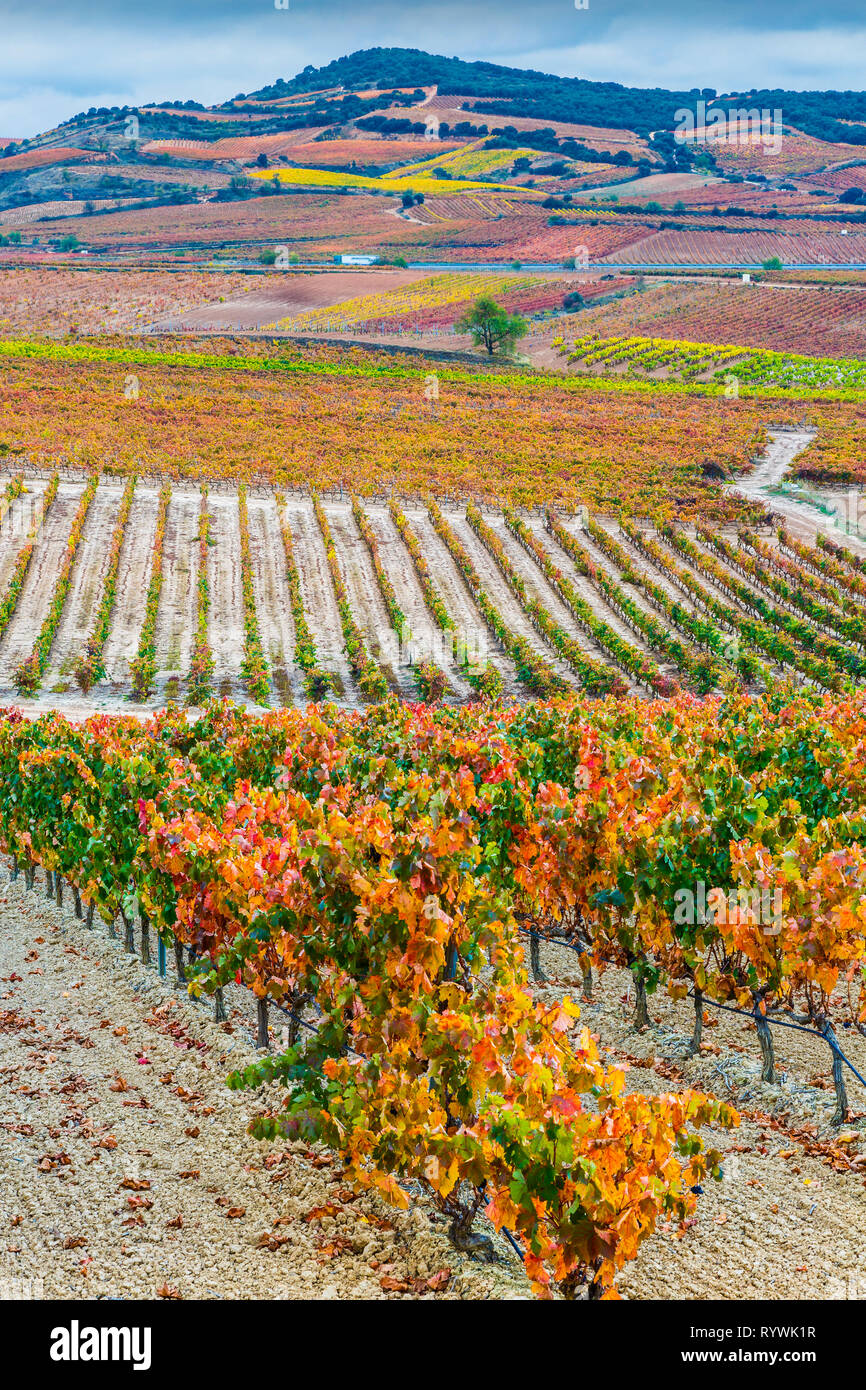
<point x="826" y="115"/>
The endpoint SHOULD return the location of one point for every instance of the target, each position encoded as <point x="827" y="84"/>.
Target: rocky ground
<point x="126" y="1172"/>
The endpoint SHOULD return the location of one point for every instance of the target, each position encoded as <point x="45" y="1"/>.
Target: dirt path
<point x="273" y="608"/>
<point x="133" y="579"/>
<point x="783" y="446"/>
<point x="458" y="601"/>
<point x="124" y="1163"/>
<point x="428" y="640"/>
<point x="502" y="597"/>
<point x="176" y="616"/>
<point x="38" y="587"/>
<point x="368" y="606"/>
<point x="801" y="518"/>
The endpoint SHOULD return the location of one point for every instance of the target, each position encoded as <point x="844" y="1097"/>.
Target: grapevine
<point x="429" y="678"/>
<point x="317" y="682"/>
<point x="25" y="554"/>
<point x="90" y="668"/>
<point x="143" y="664"/>
<point x="27" y="676"/>
<point x="201" y="669"/>
<point x="486" y="680"/>
<point x="369" y="675"/>
<point x="254" y="668"/>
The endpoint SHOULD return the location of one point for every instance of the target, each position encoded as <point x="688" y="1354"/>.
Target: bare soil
<point x="125" y="1167"/>
<point x="317" y="594"/>
<point x="285" y="294"/>
<point x="273" y="606"/>
<point x="85" y="590"/>
<point x="226" y="622"/>
<point x="457" y="598"/>
<point x="38" y="587"/>
<point x="427" y="639"/>
<point x="176" y="615"/>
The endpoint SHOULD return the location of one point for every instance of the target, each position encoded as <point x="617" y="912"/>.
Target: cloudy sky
<point x="58" y="57"/>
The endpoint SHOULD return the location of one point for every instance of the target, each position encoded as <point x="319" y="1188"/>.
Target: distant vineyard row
<point x="422" y="603"/>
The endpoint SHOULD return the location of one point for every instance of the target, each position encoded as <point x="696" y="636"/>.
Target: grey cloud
<point x="56" y="59"/>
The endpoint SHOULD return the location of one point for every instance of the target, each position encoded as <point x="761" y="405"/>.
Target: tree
<point x="772" y="263"/>
<point x="492" y="326"/>
<point x="851" y="195"/>
<point x="262" y="160"/>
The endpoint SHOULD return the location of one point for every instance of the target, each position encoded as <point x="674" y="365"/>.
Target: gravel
<point x="125" y="1168"/>
<point x="113" y="1090"/>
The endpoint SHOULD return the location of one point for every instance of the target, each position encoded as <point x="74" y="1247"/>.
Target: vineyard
<point x="692" y="361"/>
<point x="167" y="593"/>
<point x="59" y="303"/>
<point x="434" y="301"/>
<point x="810" y="320"/>
<point x="741" y="248"/>
<point x="385" y="183"/>
<point x="432" y="833"/>
<point x="332" y="419"/>
<point x="378" y="880"/>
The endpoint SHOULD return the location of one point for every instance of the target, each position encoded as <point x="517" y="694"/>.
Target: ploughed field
<point x="113" y="591"/>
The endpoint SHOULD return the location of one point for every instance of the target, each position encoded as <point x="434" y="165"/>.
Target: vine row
<point x="90" y="667"/>
<point x="254" y="668"/>
<point x="27" y="677"/>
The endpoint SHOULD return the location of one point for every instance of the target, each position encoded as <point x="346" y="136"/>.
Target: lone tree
<point x="492" y="326"/>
